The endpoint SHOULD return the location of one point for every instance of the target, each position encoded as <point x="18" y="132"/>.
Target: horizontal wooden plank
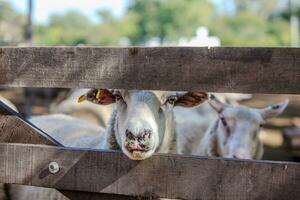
<point x="218" y="69"/>
<point x="170" y="176"/>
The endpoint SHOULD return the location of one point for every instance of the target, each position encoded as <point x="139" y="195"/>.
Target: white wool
<point x="71" y="131"/>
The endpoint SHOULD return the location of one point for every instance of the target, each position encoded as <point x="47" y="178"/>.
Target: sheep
<point x="71" y="131"/>
<point x="191" y="124"/>
<point x="234" y="133"/>
<point x="86" y="110"/>
<point x="232" y="98"/>
<point x="142" y="122"/>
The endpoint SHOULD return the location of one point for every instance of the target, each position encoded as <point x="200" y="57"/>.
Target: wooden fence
<point x="26" y="151"/>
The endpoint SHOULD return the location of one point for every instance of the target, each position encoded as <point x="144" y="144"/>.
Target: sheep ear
<point x="215" y="103"/>
<point x="98" y="96"/>
<point x="273" y="110"/>
<point x="191" y="99"/>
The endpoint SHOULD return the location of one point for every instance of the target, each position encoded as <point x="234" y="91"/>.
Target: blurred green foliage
<point x="248" y="23"/>
<point x="70" y="29"/>
<point x="11" y="25"/>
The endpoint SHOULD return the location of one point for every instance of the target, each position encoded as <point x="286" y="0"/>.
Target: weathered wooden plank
<point x="15" y="129"/>
<point x="218" y="69"/>
<point x="171" y="176"/>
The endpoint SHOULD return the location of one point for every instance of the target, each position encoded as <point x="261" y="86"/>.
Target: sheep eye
<point x="92" y="94"/>
<point x="223" y="121"/>
<point x="172" y="100"/>
<point x="129" y="135"/>
<point x="118" y="96"/>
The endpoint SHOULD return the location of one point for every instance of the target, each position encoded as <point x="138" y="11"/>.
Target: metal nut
<point x="53" y="167"/>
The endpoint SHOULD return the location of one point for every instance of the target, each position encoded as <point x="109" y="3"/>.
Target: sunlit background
<point x="155" y="23"/>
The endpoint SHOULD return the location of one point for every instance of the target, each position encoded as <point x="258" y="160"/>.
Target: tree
<point x="11" y="24"/>
<point x="71" y="28"/>
<point x="249" y="23"/>
<point x="263" y="8"/>
<point x="252" y="23"/>
<point x="167" y="20"/>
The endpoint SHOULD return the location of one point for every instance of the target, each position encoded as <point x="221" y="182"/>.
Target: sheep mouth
<point x="138" y="153"/>
<point x="137" y="150"/>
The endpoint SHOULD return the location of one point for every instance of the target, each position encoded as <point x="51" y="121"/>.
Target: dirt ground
<point x="37" y="102"/>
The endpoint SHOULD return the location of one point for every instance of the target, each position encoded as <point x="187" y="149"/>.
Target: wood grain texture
<point x="171" y="176"/>
<point x="15" y="129"/>
<point x="218" y="69"/>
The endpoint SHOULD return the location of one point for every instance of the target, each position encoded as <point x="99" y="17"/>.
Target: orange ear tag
<point x="99" y="94"/>
<point x="81" y="99"/>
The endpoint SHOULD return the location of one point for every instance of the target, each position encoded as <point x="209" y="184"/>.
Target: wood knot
<point x="133" y="51"/>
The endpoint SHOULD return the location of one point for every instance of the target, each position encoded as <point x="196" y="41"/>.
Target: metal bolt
<point x="53" y="167"/>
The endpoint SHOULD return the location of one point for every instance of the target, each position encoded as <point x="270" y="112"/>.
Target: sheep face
<point x="144" y="119"/>
<point x="141" y="122"/>
<point x="238" y="129"/>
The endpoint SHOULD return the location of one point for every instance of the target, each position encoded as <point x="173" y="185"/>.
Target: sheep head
<point x="144" y="119"/>
<point x="238" y="128"/>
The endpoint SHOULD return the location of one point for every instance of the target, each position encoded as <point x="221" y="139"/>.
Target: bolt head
<point x="53" y="167"/>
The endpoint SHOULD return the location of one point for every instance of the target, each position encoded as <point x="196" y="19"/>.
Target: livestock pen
<point x="31" y="157"/>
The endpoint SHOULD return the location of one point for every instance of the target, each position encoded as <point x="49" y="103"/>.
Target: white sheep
<point x="71" y="131"/>
<point x="143" y="121"/>
<point x="234" y="133"/>
<point x="191" y="124"/>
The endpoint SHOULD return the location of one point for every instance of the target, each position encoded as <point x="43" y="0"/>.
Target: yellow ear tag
<point x="99" y="94"/>
<point x="81" y="99"/>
